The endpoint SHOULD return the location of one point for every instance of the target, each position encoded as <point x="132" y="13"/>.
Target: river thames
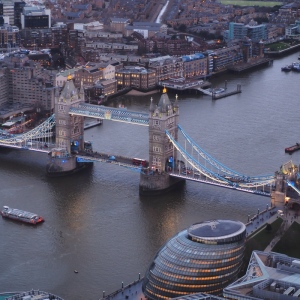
<point x="96" y="222"/>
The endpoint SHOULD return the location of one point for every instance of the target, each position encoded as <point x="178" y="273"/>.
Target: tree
<point x="268" y="227"/>
<point x="182" y="27"/>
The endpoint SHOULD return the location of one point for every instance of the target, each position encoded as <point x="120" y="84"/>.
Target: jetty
<point x="216" y="96"/>
<point x="218" y="93"/>
<point x="90" y="123"/>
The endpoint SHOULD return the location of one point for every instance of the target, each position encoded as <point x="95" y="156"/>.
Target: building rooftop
<point x="216" y="229"/>
<point x="268" y="276"/>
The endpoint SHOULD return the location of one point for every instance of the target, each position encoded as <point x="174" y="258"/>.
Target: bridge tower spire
<point x="162" y="154"/>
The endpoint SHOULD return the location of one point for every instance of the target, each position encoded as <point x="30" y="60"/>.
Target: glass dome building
<point x="206" y="258"/>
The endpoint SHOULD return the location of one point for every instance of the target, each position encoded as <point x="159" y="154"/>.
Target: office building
<point x="11" y="11"/>
<point x="269" y="275"/>
<point x="238" y="31"/>
<point x="34" y="17"/>
<point x="136" y="77"/>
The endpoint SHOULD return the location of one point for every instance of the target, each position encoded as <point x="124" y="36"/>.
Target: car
<point x="112" y="158"/>
<point x="29" y="143"/>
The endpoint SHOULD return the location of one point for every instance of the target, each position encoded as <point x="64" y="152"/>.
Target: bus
<point x="297" y="294"/>
<point x="88" y="146"/>
<point x="140" y="162"/>
<point x="289" y="291"/>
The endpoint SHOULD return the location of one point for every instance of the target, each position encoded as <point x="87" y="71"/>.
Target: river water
<point x="96" y="222"/>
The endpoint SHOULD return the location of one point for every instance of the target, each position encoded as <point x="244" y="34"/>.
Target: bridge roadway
<point x="36" y="146"/>
<point x="197" y="177"/>
<point x="122" y="161"/>
<point x="88" y="156"/>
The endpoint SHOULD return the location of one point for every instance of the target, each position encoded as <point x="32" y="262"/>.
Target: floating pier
<point x="226" y="94"/>
<point x="92" y="123"/>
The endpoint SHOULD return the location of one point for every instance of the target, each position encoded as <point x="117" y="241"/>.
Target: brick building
<point x="136" y="77"/>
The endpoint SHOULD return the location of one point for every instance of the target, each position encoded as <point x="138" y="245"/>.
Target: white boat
<point x="217" y="90"/>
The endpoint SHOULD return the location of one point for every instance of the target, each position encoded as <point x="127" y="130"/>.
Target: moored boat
<point x="292" y="149"/>
<point x="286" y="68"/>
<point x="30" y="295"/>
<point x="217" y="90"/>
<point x="21" y="215"/>
<point x="296" y="66"/>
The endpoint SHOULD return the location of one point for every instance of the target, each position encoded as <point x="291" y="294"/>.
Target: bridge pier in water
<point x="156" y="183"/>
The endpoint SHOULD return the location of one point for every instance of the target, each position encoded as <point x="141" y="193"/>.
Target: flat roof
<point x="216" y="229"/>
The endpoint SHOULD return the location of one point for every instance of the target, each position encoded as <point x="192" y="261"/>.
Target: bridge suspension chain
<point x="202" y="169"/>
<point x="222" y="168"/>
<point x="215" y="176"/>
<point x="38" y="132"/>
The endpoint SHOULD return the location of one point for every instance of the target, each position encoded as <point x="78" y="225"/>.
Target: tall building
<point x="60" y="34"/>
<point x="34" y="17"/>
<point x="206" y="258"/>
<point x="256" y="32"/>
<point x="3" y="87"/>
<point x="28" y="83"/>
<point x="238" y="31"/>
<point x="9" y="37"/>
<point x="12" y="10"/>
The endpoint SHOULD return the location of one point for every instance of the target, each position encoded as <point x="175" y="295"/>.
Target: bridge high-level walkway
<point x="110" y="113"/>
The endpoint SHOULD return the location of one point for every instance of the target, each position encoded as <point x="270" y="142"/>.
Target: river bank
<point x="139" y="93"/>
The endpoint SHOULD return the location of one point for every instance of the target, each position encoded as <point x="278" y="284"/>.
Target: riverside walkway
<point x="258" y="220"/>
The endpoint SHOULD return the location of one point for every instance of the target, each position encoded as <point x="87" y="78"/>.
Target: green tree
<point x="182" y="27"/>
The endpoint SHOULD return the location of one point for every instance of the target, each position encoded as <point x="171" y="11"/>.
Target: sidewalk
<point x="260" y="219"/>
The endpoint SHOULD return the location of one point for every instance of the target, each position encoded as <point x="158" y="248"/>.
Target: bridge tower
<point x="162" y="154"/>
<point x="279" y="194"/>
<point x="69" y="130"/>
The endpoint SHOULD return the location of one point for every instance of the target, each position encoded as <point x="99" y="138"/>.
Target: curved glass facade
<point x="204" y="258"/>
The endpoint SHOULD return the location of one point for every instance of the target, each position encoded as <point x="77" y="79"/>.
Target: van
<point x="280" y="213"/>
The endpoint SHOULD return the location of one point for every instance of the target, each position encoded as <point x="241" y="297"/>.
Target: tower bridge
<point x="169" y="165"/>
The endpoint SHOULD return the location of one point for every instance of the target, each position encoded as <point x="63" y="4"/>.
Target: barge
<point x="292" y="149"/>
<point x="21" y="215"/>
